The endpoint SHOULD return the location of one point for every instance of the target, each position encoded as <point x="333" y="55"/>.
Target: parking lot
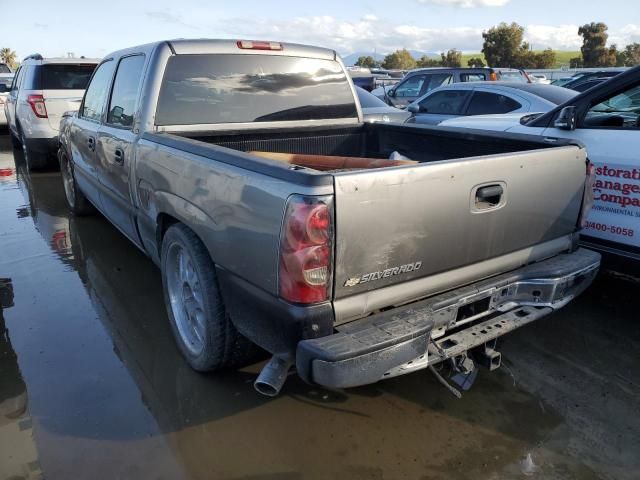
<point x="92" y="384"/>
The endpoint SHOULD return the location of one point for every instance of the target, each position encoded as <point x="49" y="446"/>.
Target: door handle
<point x="118" y="156"/>
<point x="91" y="143"/>
<point x="491" y="195"/>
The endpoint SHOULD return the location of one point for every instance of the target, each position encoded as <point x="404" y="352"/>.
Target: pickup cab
<point x="243" y="169"/>
<point x="606" y="120"/>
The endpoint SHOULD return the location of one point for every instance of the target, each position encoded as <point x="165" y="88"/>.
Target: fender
<point x="156" y="206"/>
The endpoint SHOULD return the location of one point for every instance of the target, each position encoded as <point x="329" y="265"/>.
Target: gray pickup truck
<point x="244" y="171"/>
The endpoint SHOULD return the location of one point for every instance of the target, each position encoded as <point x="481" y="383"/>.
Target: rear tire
<point x="78" y="203"/>
<point x="33" y="160"/>
<point x="200" y="323"/>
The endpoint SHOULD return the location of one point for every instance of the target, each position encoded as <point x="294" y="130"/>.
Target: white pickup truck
<point x="606" y="119"/>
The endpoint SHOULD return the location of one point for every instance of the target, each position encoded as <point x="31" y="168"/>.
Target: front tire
<point x="201" y="326"/>
<point x="76" y="200"/>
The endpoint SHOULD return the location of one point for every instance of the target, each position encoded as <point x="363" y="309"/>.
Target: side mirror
<point x="116" y="114"/>
<point x="391" y="93"/>
<point x="566" y="119"/>
<point x="413" y="108"/>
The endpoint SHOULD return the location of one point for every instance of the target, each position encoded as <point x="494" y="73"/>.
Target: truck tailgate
<point x="399" y="224"/>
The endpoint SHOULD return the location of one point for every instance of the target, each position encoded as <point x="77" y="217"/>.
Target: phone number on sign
<point x="601" y="227"/>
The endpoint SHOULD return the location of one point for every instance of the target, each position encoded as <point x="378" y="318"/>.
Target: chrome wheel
<point x="185" y="298"/>
<point x="67" y="180"/>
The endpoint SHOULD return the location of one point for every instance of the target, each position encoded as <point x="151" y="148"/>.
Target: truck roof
<point x="182" y="46"/>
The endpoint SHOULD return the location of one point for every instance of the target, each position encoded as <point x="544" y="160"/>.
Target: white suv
<point x="42" y="90"/>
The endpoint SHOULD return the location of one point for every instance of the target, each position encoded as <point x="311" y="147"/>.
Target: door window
<point x="483" y="103"/>
<point x="97" y="92"/>
<point x="125" y="91"/>
<point x="445" y="102"/>
<point x="472" y="77"/>
<point x="620" y="111"/>
<point x="18" y="78"/>
<point x="436" y="80"/>
<point x="412" y="87"/>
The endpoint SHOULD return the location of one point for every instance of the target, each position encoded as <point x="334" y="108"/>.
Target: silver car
<point x="482" y="98"/>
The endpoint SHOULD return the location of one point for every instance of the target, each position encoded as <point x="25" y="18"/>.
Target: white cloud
<point x="466" y="3"/>
<point x="372" y="33"/>
<point x="560" y="37"/>
<point x="628" y="34"/>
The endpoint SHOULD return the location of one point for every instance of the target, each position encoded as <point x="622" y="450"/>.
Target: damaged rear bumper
<point x="411" y="337"/>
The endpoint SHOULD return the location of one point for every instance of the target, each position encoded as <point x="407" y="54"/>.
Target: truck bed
<point x="378" y="140"/>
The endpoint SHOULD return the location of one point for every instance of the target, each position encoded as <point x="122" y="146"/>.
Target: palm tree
<point x="8" y="56"/>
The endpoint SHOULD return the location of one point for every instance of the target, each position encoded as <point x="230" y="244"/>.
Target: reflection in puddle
<point x="19" y="458"/>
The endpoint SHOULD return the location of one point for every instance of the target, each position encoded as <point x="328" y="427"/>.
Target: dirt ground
<point x="92" y="385"/>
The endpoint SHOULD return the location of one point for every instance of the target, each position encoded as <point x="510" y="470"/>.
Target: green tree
<point x="502" y="44"/>
<point x="426" y="61"/>
<point x="399" y="60"/>
<point x="576" y="62"/>
<point x="594" y="45"/>
<point x="453" y="58"/>
<point x="367" y="62"/>
<point x="475" y="62"/>
<point x="544" y="59"/>
<point x="8" y="56"/>
<point x="631" y="55"/>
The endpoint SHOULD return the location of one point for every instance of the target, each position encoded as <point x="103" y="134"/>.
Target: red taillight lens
<point x="37" y="105"/>
<point x="587" y="197"/>
<point x="306" y="246"/>
<point x="254" y="45"/>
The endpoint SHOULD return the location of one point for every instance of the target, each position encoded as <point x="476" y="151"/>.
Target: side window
<point x="472" y="77"/>
<point x="620" y="111"/>
<point x="436" y="80"/>
<point x="411" y="87"/>
<point x="445" y="102"/>
<point x="18" y="78"/>
<point x="96" y="95"/>
<point x="125" y="91"/>
<point x="483" y="103"/>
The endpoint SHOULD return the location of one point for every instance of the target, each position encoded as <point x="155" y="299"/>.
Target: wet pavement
<point x="92" y="385"/>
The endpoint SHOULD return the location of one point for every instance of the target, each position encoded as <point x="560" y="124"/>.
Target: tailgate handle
<point x="489" y="196"/>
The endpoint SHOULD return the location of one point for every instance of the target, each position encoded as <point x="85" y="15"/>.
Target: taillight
<point x="587" y="196"/>
<point x="37" y="105"/>
<point x="255" y="45"/>
<point x="306" y="250"/>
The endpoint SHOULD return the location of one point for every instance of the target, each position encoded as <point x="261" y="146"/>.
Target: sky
<point x="95" y="28"/>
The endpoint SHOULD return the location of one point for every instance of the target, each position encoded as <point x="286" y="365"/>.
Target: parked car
<point x="585" y="85"/>
<point x="42" y="90"/>
<point x="539" y="78"/>
<point x="3" y="100"/>
<point x="480" y="98"/>
<point x="276" y="217"/>
<point x="375" y="110"/>
<point x="419" y="82"/>
<point x="583" y="77"/>
<point x="6" y="76"/>
<point x="606" y="119"/>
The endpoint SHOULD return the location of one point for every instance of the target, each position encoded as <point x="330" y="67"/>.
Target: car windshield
<point x="628" y="101"/>
<point x="235" y="88"/>
<point x="512" y="76"/>
<point x="66" y="77"/>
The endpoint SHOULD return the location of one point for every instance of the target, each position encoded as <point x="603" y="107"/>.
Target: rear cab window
<point x="53" y="76"/>
<point x="237" y="88"/>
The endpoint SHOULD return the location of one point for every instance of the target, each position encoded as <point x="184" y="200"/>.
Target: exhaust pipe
<point x="272" y="377"/>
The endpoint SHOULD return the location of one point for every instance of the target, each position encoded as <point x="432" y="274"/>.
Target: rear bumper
<point x="44" y="146"/>
<point x="414" y="336"/>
